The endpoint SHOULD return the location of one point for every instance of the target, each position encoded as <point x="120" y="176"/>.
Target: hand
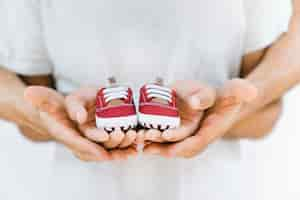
<point x="54" y="117"/>
<point x="216" y="124"/>
<point x="33" y="134"/>
<point x="81" y="106"/>
<point x="193" y="98"/>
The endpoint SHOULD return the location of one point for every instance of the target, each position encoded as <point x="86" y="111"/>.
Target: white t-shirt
<point x="84" y="42"/>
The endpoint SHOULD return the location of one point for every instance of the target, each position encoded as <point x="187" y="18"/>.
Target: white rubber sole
<point x="117" y="122"/>
<point x="158" y="122"/>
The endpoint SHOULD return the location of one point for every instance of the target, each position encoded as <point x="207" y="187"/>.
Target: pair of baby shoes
<point x="115" y="107"/>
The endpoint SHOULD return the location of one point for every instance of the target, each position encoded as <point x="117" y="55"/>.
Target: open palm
<point x="81" y="107"/>
<point x="53" y="113"/>
<point x="193" y="98"/>
<point x="216" y="123"/>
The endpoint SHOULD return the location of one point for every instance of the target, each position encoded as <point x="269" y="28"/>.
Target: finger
<point x="243" y="90"/>
<point x="139" y="143"/>
<point x="95" y="134"/>
<point x="153" y="135"/>
<point x="188" y="148"/>
<point x="77" y="103"/>
<point x="233" y="95"/>
<point x="184" y="131"/>
<point x="44" y="99"/>
<point x="86" y="157"/>
<point x="72" y="139"/>
<point x="226" y="111"/>
<point x="76" y="109"/>
<point x="123" y="154"/>
<point x="48" y="101"/>
<point x="215" y="125"/>
<point x="51" y="102"/>
<point x="140" y="138"/>
<point x="115" y="139"/>
<point x="158" y="149"/>
<point x="88" y="148"/>
<point x="192" y="146"/>
<point x="197" y="95"/>
<point x="82" y="157"/>
<point x="35" y="134"/>
<point x="130" y="137"/>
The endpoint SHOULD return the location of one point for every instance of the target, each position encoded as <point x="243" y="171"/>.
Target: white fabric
<point x="265" y="21"/>
<point x="22" y="46"/>
<point x="85" y="42"/>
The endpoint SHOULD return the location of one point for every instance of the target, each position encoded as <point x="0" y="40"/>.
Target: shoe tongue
<point x="116" y="102"/>
<point x="113" y="84"/>
<point x="160" y="101"/>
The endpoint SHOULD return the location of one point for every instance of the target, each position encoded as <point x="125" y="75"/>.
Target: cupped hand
<point x="216" y="123"/>
<point x="193" y="98"/>
<point x="54" y="117"/>
<point x="81" y="106"/>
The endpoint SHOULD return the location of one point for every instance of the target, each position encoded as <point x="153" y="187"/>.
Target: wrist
<point x="258" y="124"/>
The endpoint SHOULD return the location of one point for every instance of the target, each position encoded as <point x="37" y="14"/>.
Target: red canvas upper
<point x="104" y="110"/>
<point x="147" y="106"/>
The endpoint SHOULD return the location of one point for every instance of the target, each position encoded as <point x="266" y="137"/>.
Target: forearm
<point x="257" y="125"/>
<point x="278" y="72"/>
<point x="14" y="108"/>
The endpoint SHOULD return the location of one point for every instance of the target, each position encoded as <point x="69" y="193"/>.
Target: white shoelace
<point x="113" y="93"/>
<point x="156" y="91"/>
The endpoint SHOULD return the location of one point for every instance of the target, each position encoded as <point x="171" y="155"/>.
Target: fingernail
<point x="195" y="101"/>
<point x="80" y="116"/>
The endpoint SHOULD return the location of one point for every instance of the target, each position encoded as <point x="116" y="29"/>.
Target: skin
<point x="80" y="106"/>
<point x="208" y="114"/>
<point x="240" y="100"/>
<point x="41" y="114"/>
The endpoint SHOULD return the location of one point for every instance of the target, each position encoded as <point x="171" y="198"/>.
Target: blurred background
<point x="275" y="159"/>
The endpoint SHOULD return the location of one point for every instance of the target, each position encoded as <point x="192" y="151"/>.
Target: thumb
<point x="224" y="114"/>
<point x="243" y="90"/>
<point x="44" y="99"/>
<point x="77" y="103"/>
<point x="196" y="95"/>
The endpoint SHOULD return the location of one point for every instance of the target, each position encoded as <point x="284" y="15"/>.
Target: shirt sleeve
<point x="266" y="20"/>
<point x="22" y="47"/>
